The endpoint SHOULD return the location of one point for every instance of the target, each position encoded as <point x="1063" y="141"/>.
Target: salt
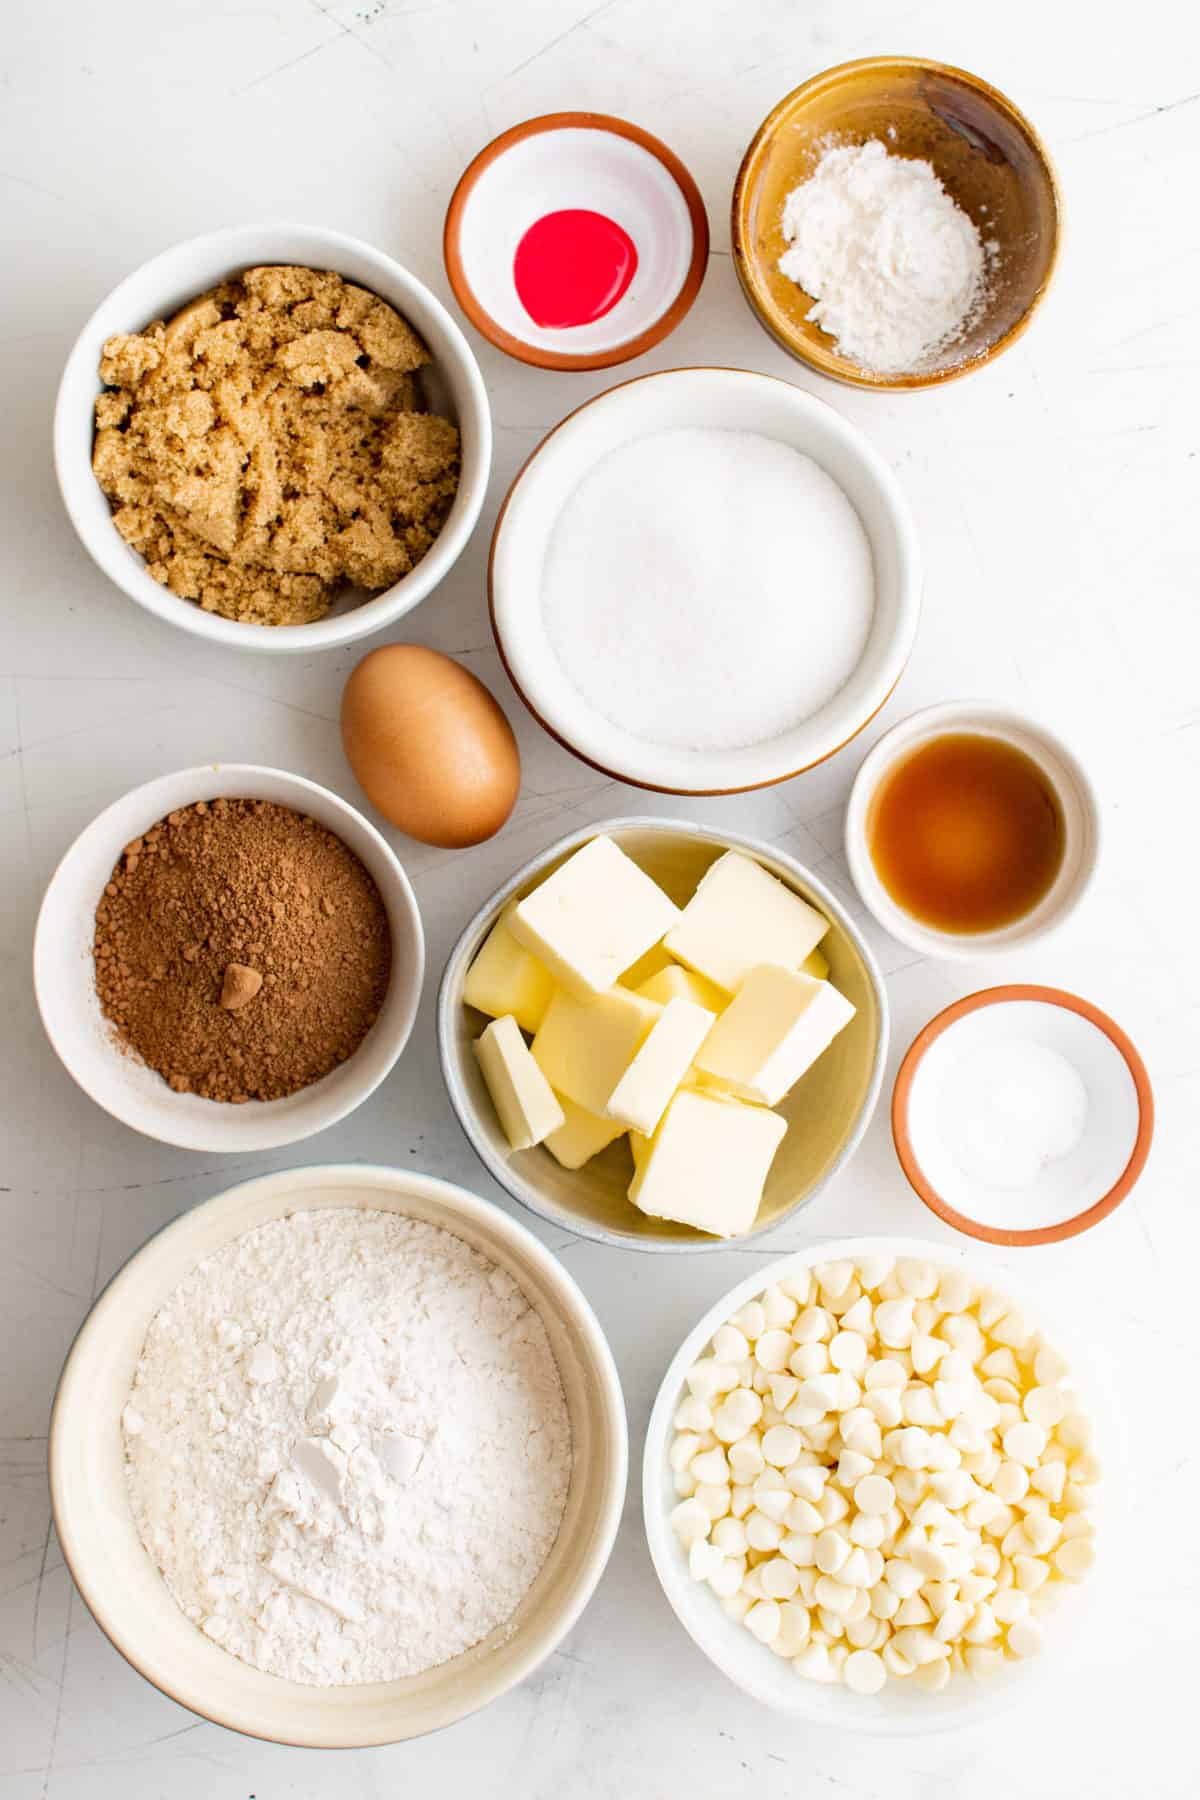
<point x="1008" y="1110"/>
<point x="707" y="589"/>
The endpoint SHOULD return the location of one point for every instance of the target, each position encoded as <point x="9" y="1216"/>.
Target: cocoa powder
<point x="213" y="896"/>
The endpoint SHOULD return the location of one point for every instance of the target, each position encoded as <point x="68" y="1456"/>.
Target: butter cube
<point x="655" y="960"/>
<point x="774" y="1028"/>
<point x="640" y="1097"/>
<point x="523" y="1098"/>
<point x="639" y="1147"/>
<point x="593" y="917"/>
<point x="816" y="964"/>
<point x="505" y="978"/>
<point x="582" y="1135"/>
<point x="585" y="1045"/>
<point x="707" y="1163"/>
<point x="676" y="982"/>
<point x="740" y="916"/>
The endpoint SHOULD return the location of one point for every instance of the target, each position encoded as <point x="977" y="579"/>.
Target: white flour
<point x="707" y="589"/>
<point x="896" y="269"/>
<point x="348" y="1449"/>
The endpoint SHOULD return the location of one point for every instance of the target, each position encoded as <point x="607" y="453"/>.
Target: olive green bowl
<point x="987" y="156"/>
<point x="827" y="1111"/>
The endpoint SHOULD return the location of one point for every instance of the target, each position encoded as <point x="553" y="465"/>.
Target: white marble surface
<point x="1055" y="494"/>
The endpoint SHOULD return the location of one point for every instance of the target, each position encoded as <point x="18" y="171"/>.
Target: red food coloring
<point x="572" y="267"/>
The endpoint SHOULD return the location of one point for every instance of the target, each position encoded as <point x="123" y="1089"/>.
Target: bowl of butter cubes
<point x="661" y="1036"/>
<point x="871" y="1490"/>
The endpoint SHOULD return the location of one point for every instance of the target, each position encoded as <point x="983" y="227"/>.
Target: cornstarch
<point x="707" y="589"/>
<point x="896" y="269"/>
<point x="347" y="1446"/>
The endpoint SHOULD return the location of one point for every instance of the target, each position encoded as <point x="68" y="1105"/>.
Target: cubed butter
<point x="654" y="960"/>
<point x="523" y="1098"/>
<point x="774" y="1028"/>
<point x="640" y="1097"/>
<point x="639" y="1148"/>
<point x="581" y="1136"/>
<point x="593" y="917"/>
<point x="585" y="1045"/>
<point x="506" y="978"/>
<point x="740" y="916"/>
<point x="675" y="982"/>
<point x="707" y="1164"/>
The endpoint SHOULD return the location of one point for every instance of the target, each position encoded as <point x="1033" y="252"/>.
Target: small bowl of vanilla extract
<point x="971" y="829"/>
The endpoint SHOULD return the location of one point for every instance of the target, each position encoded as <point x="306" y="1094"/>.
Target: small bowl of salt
<point x="895" y="222"/>
<point x="1022" y="1115"/>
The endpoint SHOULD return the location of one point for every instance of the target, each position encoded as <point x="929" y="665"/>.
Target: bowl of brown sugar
<point x="229" y="959"/>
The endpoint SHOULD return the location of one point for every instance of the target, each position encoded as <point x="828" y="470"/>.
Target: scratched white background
<point x="1056" y="496"/>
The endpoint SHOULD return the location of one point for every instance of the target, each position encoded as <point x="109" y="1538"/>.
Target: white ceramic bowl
<point x="123" y="1589"/>
<point x="1068" y="1193"/>
<point x="64" y="978"/>
<point x="562" y="162"/>
<point x="827" y="1111"/>
<point x="158" y="289"/>
<point x="1078" y="803"/>
<point x="729" y="399"/>
<point x="900" y="1710"/>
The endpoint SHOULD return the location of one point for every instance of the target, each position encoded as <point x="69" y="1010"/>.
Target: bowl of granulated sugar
<point x="704" y="581"/>
<point x="895" y="222"/>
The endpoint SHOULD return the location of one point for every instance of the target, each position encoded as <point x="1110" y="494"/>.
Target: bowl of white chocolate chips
<point x="870" y="1489"/>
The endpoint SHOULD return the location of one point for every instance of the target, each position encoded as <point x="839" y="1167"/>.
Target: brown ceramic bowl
<point x="563" y="162"/>
<point x="988" y="157"/>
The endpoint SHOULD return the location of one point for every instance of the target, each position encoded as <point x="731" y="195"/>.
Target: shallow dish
<point x="728" y="399"/>
<point x="123" y="1589"/>
<point x="987" y="155"/>
<point x="565" y="161"/>
<point x="1078" y="804"/>
<point x="65" y="986"/>
<point x="827" y="1112"/>
<point x="1075" y="1191"/>
<point x="158" y="289"/>
<point x="898" y="1711"/>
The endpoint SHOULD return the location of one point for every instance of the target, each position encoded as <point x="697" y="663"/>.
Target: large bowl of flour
<point x="704" y="581"/>
<point x="338" y="1457"/>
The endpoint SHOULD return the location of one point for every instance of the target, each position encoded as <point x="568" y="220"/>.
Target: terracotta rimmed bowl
<point x="1078" y="804"/>
<point x="124" y="1591"/>
<point x="65" y="983"/>
<point x="827" y="1112"/>
<point x="988" y="157"/>
<point x="899" y="1710"/>
<point x="560" y="162"/>
<point x="452" y="385"/>
<point x="1068" y="1194"/>
<point x="725" y="399"/>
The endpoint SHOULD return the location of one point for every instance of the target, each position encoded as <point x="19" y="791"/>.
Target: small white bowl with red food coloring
<point x="575" y="241"/>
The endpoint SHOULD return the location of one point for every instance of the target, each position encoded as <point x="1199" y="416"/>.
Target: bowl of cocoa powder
<point x="229" y="959"/>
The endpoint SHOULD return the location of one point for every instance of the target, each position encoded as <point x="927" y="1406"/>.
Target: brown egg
<point x="429" y="746"/>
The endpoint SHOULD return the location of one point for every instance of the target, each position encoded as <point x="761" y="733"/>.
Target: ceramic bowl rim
<point x="448" y="1005"/>
<point x="400" y="892"/>
<point x="225" y="250"/>
<point x="827" y="362"/>
<point x="570" y="1301"/>
<point x="966" y="716"/>
<point x="906" y="1150"/>
<point x="902" y="521"/>
<point x="531" y="354"/>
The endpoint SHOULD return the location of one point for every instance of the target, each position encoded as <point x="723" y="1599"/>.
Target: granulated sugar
<point x="348" y="1449"/>
<point x="707" y="589"/>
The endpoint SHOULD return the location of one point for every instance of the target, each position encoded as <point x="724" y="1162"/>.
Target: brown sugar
<point x="241" y="950"/>
<point x="267" y="446"/>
